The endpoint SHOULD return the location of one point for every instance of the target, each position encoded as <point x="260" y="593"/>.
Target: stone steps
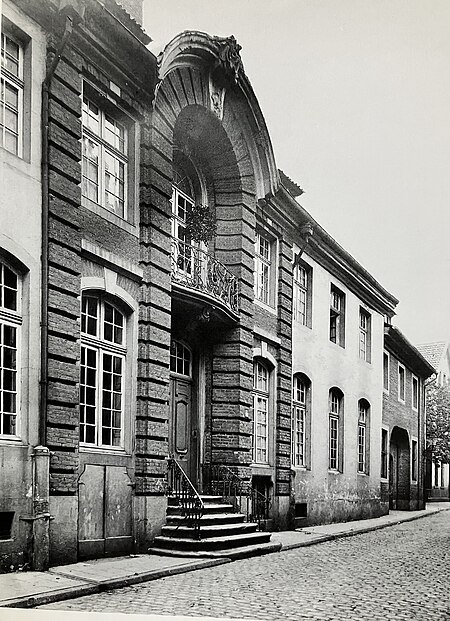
<point x="223" y="532"/>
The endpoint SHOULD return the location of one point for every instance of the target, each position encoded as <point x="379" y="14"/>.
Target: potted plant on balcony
<point x="200" y="224"/>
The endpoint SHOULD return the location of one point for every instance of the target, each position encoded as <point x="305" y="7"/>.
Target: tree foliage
<point x="438" y="422"/>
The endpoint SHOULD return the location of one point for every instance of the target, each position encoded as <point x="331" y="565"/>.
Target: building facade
<point x="170" y="301"/>
<point x="405" y="371"/>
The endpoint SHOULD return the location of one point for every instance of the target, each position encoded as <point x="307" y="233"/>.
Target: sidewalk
<point x="28" y="589"/>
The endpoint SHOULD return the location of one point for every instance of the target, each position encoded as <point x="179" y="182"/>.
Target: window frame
<point x="365" y="334"/>
<point x="269" y="263"/>
<point x="336" y="332"/>
<point x="12" y="318"/>
<point x="111" y="104"/>
<point x="16" y="82"/>
<point x="414" y="460"/>
<point x="102" y="348"/>
<point x="363" y="436"/>
<point x="384" y="465"/>
<point x="335" y="431"/>
<point x="388" y="357"/>
<point x="401" y="367"/>
<point x="415" y="399"/>
<point x="302" y="289"/>
<point x="261" y="394"/>
<point x="301" y="411"/>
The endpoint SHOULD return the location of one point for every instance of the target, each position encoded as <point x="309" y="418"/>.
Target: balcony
<point x="195" y="270"/>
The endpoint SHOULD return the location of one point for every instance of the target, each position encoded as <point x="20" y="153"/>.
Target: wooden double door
<point x="105" y="511"/>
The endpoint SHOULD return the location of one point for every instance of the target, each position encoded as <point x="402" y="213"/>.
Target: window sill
<point x="298" y="323"/>
<point x="362" y="474"/>
<point x="266" y="307"/>
<point x="337" y="344"/>
<point x="110" y="216"/>
<point x="104" y="450"/>
<point x="11" y="441"/>
<point x="334" y="471"/>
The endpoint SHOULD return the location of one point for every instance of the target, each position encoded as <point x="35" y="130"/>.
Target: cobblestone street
<point x="400" y="572"/>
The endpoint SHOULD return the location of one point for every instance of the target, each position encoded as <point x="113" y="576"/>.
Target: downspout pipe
<point x="71" y="14"/>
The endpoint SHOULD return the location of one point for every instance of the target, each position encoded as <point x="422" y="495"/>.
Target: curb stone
<point x="91" y="588"/>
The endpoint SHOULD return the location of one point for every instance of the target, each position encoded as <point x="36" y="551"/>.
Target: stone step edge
<point x="257" y="549"/>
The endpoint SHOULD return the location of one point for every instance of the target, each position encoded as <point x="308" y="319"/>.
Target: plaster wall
<point x="20" y="246"/>
<point x="336" y="496"/>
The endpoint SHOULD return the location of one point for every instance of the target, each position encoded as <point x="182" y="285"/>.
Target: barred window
<point x="10" y="326"/>
<point x="102" y="371"/>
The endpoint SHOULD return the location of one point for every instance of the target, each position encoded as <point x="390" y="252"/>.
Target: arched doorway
<point x="399" y="470"/>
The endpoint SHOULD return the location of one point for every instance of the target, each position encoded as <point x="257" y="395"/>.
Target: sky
<point x="356" y="98"/>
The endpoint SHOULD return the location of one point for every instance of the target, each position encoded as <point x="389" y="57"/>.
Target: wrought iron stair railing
<point x="222" y="481"/>
<point x="194" y="268"/>
<point x="189" y="501"/>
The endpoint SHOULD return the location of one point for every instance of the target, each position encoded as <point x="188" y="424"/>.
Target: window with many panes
<point x="102" y="372"/>
<point x="184" y="250"/>
<point x="337" y="316"/>
<point x="401" y="382"/>
<point x="302" y="283"/>
<point x="261" y="388"/>
<point x="105" y="160"/>
<point x="263" y="268"/>
<point x="364" y="334"/>
<point x="363" y="433"/>
<point x="335" y="421"/>
<point x="180" y="359"/>
<point x="300" y="405"/>
<point x="10" y="324"/>
<point x="11" y="94"/>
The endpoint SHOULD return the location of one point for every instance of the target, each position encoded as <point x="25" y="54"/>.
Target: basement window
<point x="6" y="521"/>
<point x="301" y="509"/>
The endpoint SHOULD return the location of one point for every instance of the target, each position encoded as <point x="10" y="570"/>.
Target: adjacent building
<point x="405" y="372"/>
<point x="164" y="296"/>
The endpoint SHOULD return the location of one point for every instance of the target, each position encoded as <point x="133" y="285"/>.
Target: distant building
<point x="403" y="432"/>
<point x="438" y="473"/>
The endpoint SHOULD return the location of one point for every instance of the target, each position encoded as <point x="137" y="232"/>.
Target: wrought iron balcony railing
<point x="195" y="269"/>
